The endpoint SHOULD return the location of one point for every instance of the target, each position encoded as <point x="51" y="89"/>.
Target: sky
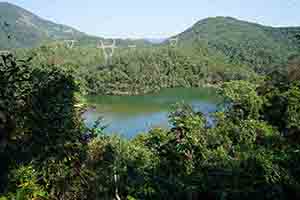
<point x="157" y="18"/>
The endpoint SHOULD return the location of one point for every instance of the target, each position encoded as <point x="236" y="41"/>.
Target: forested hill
<point x="243" y="41"/>
<point x="239" y="40"/>
<point x="20" y="28"/>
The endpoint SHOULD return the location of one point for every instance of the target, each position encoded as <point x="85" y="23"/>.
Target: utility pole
<point x="111" y="49"/>
<point x="70" y="43"/>
<point x="173" y="42"/>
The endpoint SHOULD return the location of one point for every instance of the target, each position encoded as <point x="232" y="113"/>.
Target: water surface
<point x="131" y="115"/>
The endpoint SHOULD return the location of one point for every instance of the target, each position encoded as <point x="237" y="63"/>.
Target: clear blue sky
<point x="157" y="18"/>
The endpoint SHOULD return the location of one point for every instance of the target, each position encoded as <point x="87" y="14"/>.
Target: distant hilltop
<point x="20" y="28"/>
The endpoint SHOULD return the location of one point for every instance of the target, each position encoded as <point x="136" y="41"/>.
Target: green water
<point x="130" y="115"/>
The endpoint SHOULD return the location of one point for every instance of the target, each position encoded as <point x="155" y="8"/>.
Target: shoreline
<point x="136" y="93"/>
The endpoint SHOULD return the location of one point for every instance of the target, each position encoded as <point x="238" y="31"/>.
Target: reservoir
<point x="131" y="115"/>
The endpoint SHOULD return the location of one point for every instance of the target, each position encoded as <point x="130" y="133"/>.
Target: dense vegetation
<point x="256" y="45"/>
<point x="143" y="70"/>
<point x="148" y="69"/>
<point x="47" y="153"/>
<point x="213" y="51"/>
<point x="251" y="152"/>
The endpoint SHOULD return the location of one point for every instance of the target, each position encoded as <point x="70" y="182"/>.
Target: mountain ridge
<point x="249" y="42"/>
<point x="20" y="28"/>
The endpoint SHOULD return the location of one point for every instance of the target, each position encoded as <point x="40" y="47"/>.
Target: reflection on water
<point x="130" y="115"/>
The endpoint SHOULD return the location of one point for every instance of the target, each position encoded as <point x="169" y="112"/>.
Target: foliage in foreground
<point x="251" y="152"/>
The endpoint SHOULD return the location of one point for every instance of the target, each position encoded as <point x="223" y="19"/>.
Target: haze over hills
<point x="156" y="40"/>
